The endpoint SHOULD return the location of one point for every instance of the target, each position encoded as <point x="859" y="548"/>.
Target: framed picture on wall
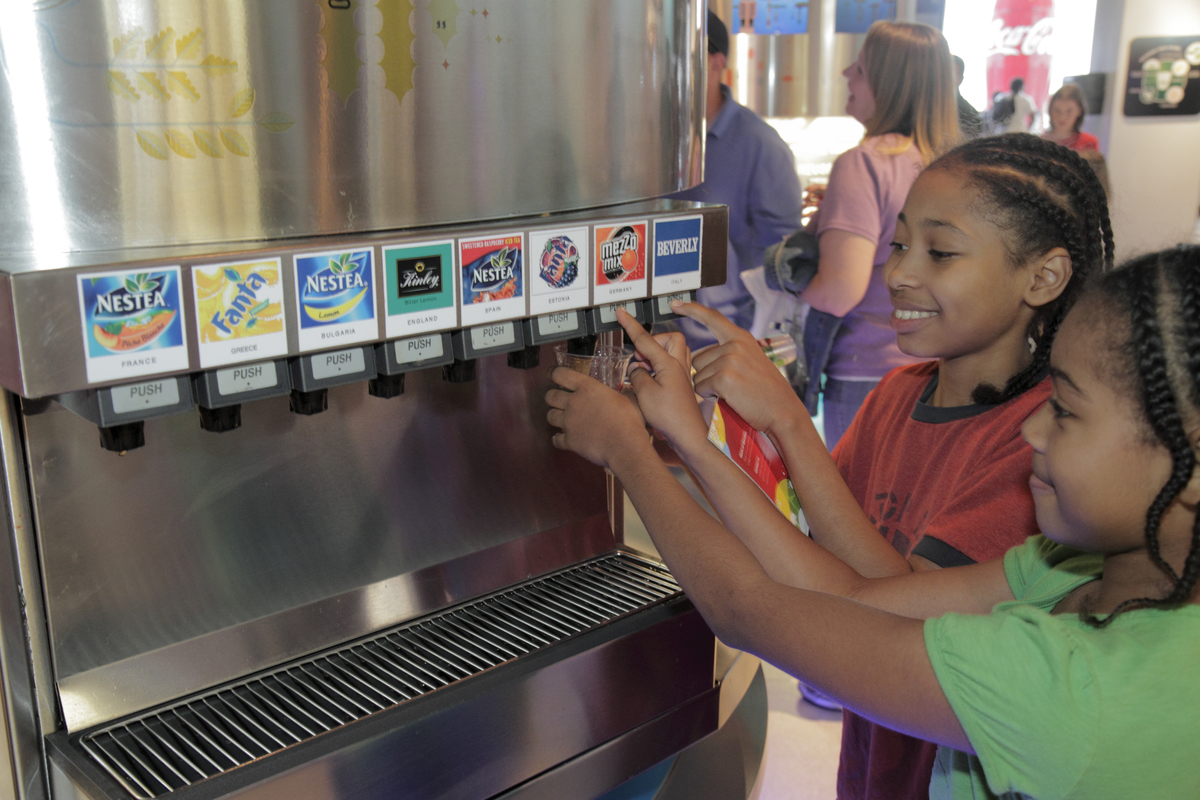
<point x="1163" y="77"/>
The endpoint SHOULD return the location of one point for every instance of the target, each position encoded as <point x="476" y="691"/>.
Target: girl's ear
<point x="1049" y="275"/>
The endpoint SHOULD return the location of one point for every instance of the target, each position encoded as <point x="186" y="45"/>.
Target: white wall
<point x="1153" y="162"/>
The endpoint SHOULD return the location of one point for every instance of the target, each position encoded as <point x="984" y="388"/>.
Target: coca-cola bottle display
<point x="1021" y="47"/>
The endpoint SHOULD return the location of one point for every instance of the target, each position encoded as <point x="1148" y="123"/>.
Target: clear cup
<point x="607" y="365"/>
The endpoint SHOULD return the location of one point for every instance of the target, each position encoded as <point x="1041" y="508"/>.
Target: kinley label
<point x="419" y="285"/>
<point x="676" y="254"/>
<point x="335" y="298"/>
<point x="239" y="311"/>
<point x="558" y="274"/>
<point x="132" y="323"/>
<point x="620" y="264"/>
<point x="493" y="278"/>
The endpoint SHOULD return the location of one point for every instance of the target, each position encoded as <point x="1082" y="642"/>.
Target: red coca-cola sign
<point x="1021" y="47"/>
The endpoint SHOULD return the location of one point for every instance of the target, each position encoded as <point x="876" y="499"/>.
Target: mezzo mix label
<point x="335" y="298"/>
<point x="619" y="261"/>
<point x="132" y="323"/>
<point x="493" y="278"/>
<point x="419" y="285"/>
<point x="239" y="311"/>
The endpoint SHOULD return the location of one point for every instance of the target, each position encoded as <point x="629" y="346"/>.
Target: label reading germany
<point x="619" y="268"/>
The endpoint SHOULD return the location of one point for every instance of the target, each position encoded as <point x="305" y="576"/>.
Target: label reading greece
<point x="488" y="336"/>
<point x="609" y="313"/>
<point x="562" y="322"/>
<point x="247" y="378"/>
<point x="141" y="396"/>
<point x="341" y="362"/>
<point x="418" y="348"/>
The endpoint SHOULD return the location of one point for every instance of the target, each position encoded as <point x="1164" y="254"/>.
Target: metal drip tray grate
<point x="213" y="733"/>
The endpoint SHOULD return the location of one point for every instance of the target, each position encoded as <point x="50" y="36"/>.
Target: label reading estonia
<point x="558" y="273"/>
<point x="239" y="311"/>
<point x="676" y="254"/>
<point x="335" y="298"/>
<point x="132" y="323"/>
<point x="620" y="261"/>
<point x="493" y="280"/>
<point x="419" y="285"/>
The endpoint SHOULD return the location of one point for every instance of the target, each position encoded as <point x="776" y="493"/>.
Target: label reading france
<point x="493" y="278"/>
<point x="620" y="261"/>
<point x="132" y="323"/>
<point x="335" y="298"/>
<point x="419" y="285"/>
<point x="676" y="254"/>
<point x="558" y="274"/>
<point x="239" y="311"/>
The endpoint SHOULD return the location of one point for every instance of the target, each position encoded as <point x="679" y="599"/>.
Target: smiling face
<point x="1063" y="114"/>
<point x="861" y="102"/>
<point x="1096" y="468"/>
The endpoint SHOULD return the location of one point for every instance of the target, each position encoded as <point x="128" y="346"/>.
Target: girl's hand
<point x="738" y="371"/>
<point x="597" y="423"/>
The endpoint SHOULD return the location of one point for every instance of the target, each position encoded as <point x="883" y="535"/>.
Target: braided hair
<point x="1043" y="196"/>
<point x="1159" y="296"/>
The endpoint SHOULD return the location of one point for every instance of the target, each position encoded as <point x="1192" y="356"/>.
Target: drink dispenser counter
<point x="281" y="287"/>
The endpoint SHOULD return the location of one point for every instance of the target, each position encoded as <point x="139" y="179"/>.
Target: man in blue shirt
<point x="748" y="167"/>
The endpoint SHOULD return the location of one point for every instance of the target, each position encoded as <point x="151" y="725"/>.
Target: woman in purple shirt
<point x="902" y="91"/>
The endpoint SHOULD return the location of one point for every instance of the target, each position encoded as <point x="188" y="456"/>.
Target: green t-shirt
<point x="1057" y="709"/>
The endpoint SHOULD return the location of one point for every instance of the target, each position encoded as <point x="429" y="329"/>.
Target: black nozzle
<point x="309" y="403"/>
<point x="221" y="420"/>
<point x="459" y="371"/>
<point x="582" y="345"/>
<point x="386" y="386"/>
<point x="526" y="358"/>
<point x="120" y="438"/>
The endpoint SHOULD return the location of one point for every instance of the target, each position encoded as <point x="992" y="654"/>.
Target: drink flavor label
<point x="335" y="298"/>
<point x="558" y="272"/>
<point x="419" y="286"/>
<point x="676" y="254"/>
<point x="132" y="323"/>
<point x="620" y="261"/>
<point x="753" y="452"/>
<point x="239" y="311"/>
<point x="493" y="279"/>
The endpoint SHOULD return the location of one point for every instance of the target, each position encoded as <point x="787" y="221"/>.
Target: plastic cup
<point x="607" y="365"/>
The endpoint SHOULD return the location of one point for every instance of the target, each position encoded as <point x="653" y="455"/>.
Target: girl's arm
<point x="843" y="273"/>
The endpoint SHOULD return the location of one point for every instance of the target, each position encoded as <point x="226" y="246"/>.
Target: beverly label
<point x="558" y="273"/>
<point x="419" y="285"/>
<point x="676" y="254"/>
<point x="239" y="311"/>
<point x="335" y="298"/>
<point x="132" y="323"/>
<point x="493" y="278"/>
<point x="619" y="264"/>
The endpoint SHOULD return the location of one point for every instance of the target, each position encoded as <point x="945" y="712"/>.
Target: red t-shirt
<point x="949" y="484"/>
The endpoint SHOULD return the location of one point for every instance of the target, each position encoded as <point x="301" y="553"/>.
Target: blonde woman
<point x="902" y="90"/>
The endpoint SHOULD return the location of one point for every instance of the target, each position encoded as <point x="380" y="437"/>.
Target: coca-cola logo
<point x="1021" y="40"/>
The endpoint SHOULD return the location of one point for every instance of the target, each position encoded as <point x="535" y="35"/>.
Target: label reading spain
<point x="676" y="254"/>
<point x="132" y="323"/>
<point x="493" y="279"/>
<point x="419" y="285"/>
<point x="558" y="273"/>
<point x="342" y="362"/>
<point x="608" y="314"/>
<point x="418" y="348"/>
<point x="335" y="298"/>
<point x="488" y="336"/>
<point x="246" y="378"/>
<point x="620" y="261"/>
<point x="239" y="311"/>
<point x="141" y="396"/>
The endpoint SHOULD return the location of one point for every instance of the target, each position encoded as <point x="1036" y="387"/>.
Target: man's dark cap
<point x="718" y="35"/>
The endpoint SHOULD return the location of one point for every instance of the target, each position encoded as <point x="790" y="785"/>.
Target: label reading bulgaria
<point x="335" y="298"/>
<point x="676" y="254"/>
<point x="619" y="261"/>
<point x="558" y="270"/>
<point x="419" y="285"/>
<point x="132" y="323"/>
<point x="239" y="311"/>
<point x="493" y="278"/>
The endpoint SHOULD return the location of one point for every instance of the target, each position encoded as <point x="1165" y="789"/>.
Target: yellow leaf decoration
<point x="186" y="46"/>
<point x="276" y="122"/>
<point x="120" y="43"/>
<point x="152" y="144"/>
<point x="235" y="142"/>
<point x="152" y="86"/>
<point x="213" y="65"/>
<point x="181" y="144"/>
<point x="242" y="101"/>
<point x="119" y="85"/>
<point x="208" y="144"/>
<point x="183" y="86"/>
<point x="156" y="45"/>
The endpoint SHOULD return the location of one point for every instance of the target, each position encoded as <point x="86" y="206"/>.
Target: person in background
<point x="1022" y="108"/>
<point x="968" y="118"/>
<point x="1067" y="110"/>
<point x="750" y="169"/>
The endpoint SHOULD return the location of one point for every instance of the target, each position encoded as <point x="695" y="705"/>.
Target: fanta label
<point x="239" y="311"/>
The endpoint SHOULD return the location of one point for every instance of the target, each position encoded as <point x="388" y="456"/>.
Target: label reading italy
<point x="132" y="323"/>
<point x="620" y="261"/>
<point x="239" y="311"/>
<point x="246" y="378"/>
<point x="141" y="396"/>
<point x="558" y="273"/>
<point x="676" y="254"/>
<point x="335" y="297"/>
<point x="419" y="286"/>
<point x="560" y="322"/>
<point x="493" y="280"/>
<point x="342" y="362"/>
<point x="487" y="336"/>
<point x="418" y="348"/>
<point x="609" y="313"/>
